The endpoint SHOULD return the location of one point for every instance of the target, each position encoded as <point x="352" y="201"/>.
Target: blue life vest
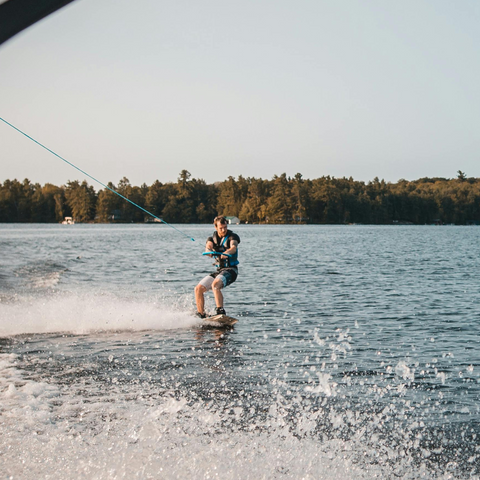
<point x="230" y="261"/>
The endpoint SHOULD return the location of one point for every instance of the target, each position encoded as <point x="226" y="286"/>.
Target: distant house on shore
<point x="68" y="221"/>
<point x="233" y="220"/>
<point x="116" y="215"/>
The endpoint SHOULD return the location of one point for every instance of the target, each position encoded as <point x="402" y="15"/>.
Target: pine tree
<point x="81" y="199"/>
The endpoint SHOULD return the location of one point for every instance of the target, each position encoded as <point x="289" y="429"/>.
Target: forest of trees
<point x="279" y="200"/>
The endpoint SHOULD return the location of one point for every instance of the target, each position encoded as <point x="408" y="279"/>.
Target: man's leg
<point x="203" y="286"/>
<point x="199" y="298"/>
<point x="217" y="292"/>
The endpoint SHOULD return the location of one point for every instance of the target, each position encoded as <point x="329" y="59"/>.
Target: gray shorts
<point x="227" y="275"/>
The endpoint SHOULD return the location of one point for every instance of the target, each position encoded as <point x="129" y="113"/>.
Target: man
<point x="226" y="242"/>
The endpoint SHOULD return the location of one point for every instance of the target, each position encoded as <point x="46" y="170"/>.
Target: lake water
<point x="356" y="354"/>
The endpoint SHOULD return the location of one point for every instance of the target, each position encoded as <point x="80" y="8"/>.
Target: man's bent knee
<point x="200" y="289"/>
<point x="218" y="284"/>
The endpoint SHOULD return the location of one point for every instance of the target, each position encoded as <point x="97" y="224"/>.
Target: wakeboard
<point x="223" y="320"/>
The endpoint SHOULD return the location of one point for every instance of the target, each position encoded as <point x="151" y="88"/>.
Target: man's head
<point x="220" y="225"/>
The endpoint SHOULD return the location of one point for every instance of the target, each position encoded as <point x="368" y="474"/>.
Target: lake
<point x="356" y="354"/>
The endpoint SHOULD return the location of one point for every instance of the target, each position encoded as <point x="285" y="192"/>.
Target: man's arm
<point x="209" y="246"/>
<point x="232" y="249"/>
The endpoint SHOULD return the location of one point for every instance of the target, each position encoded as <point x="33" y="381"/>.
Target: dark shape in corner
<point x="16" y="15"/>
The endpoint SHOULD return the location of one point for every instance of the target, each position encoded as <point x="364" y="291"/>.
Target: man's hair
<point x="220" y="219"/>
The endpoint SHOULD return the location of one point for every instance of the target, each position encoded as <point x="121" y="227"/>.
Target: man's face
<point x="221" y="229"/>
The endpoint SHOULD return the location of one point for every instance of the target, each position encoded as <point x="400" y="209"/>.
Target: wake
<point x="83" y="313"/>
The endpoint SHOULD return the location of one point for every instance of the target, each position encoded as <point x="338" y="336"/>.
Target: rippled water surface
<point x="356" y="354"/>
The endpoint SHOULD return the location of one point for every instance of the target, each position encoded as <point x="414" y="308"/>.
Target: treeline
<point x="279" y="200"/>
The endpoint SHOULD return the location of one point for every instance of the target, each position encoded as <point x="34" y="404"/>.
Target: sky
<point x="144" y="89"/>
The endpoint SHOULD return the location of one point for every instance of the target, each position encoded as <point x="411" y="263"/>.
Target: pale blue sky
<point x="146" y="88"/>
